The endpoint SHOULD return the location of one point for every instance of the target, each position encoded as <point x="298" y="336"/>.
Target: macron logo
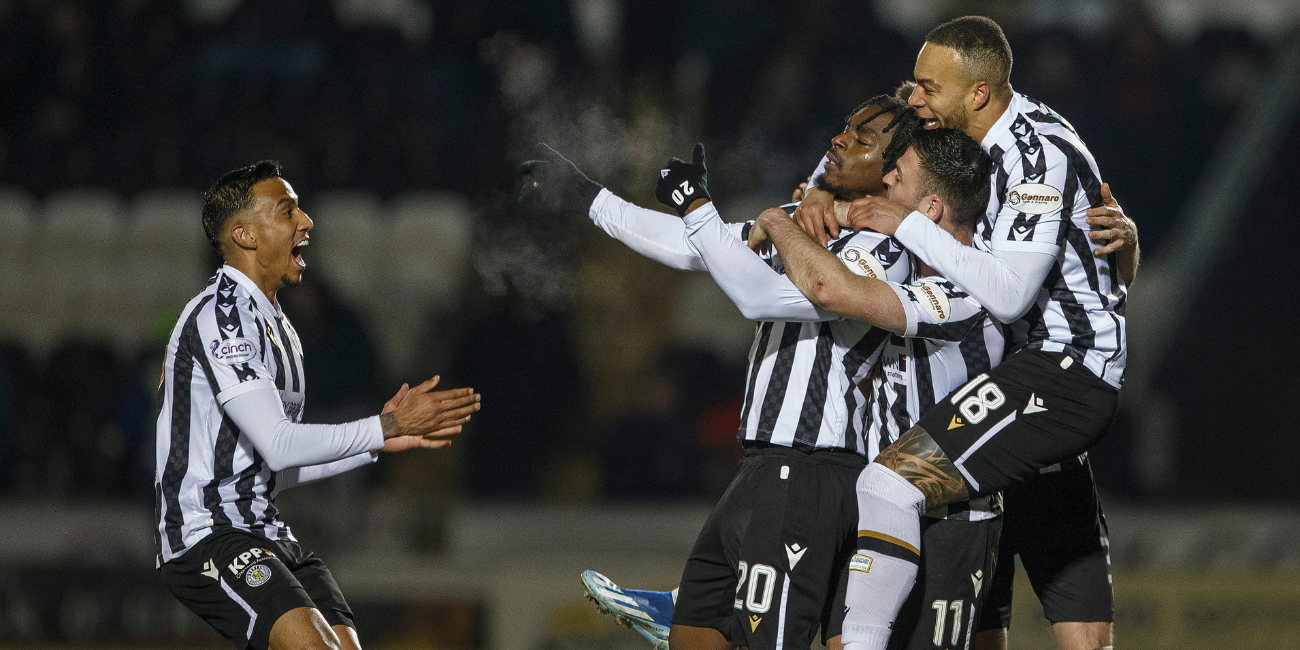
<point x="794" y="554"/>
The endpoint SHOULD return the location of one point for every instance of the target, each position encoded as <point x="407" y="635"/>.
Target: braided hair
<point x="903" y="124"/>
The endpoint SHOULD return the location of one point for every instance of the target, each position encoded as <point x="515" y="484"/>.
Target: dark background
<point x="134" y="95"/>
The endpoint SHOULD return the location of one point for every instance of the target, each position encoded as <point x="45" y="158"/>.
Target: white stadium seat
<point x="79" y="266"/>
<point x="429" y="244"/>
<point x="167" y="259"/>
<point x="345" y="242"/>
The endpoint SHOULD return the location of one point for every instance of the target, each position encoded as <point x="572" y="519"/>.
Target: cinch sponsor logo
<point x="233" y="346"/>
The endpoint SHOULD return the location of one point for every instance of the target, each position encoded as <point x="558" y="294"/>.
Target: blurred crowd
<point x="588" y="391"/>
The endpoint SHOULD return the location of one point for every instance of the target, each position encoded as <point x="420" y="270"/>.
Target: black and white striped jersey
<point x="229" y="340"/>
<point x="802" y="389"/>
<point x="1044" y="182"/>
<point x="950" y="340"/>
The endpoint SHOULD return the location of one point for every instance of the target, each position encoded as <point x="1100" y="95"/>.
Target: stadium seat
<point x="345" y="243"/>
<point x="79" y="266"/>
<point x="430" y="243"/>
<point x="167" y="259"/>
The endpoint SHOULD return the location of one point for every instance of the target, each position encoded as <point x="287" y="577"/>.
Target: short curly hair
<point x="233" y="193"/>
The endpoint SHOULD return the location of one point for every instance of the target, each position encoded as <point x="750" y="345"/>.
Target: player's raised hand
<point x="1109" y="222"/>
<point x="877" y="213"/>
<point x="759" y="241"/>
<point x="553" y="182"/>
<point x="421" y="412"/>
<point x="816" y="215"/>
<point x="682" y="183"/>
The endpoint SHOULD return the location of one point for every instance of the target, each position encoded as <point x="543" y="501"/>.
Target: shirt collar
<point x="260" y="298"/>
<point x="1003" y="125"/>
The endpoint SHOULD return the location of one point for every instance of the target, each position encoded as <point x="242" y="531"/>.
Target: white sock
<point x="884" y="568"/>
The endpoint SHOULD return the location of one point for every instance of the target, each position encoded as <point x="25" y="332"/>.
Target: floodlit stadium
<point x="643" y="370"/>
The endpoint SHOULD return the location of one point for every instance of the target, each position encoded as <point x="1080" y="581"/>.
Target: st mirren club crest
<point x="257" y="575"/>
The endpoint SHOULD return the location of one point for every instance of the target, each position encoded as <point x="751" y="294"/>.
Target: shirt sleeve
<point x="1006" y="281"/>
<point x="936" y="309"/>
<point x="658" y="236"/>
<point x="758" y="290"/>
<point x="1031" y="208"/>
<point x="260" y="416"/>
<point x="234" y="344"/>
<point x="296" y="476"/>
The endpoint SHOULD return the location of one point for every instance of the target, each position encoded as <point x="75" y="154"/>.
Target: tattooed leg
<point x="918" y="458"/>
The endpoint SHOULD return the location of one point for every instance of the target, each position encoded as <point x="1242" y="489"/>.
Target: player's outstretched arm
<point x="1005" y="281"/>
<point x="296" y="476"/>
<point x="825" y="280"/>
<point x="283" y="444"/>
<point x="553" y="182"/>
<point x="757" y="290"/>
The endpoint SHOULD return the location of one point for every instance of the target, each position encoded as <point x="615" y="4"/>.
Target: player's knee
<point x="303" y="628"/>
<point x="879" y="483"/>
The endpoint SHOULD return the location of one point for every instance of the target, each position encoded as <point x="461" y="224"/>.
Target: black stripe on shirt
<point x="755" y="364"/>
<point x="924" y="376"/>
<point x="954" y="331"/>
<point x="223" y="467"/>
<point x="178" y="453"/>
<point x="853" y="360"/>
<point x="244" y="488"/>
<point x="975" y="352"/>
<point x="779" y="381"/>
<point x="1076" y="315"/>
<point x="814" y="402"/>
<point x="292" y="360"/>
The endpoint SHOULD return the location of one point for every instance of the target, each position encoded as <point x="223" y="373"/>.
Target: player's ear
<point x="932" y="207"/>
<point x="242" y="236"/>
<point x="980" y="94"/>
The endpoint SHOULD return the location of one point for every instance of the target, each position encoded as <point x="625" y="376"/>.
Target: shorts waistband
<point x="840" y="457"/>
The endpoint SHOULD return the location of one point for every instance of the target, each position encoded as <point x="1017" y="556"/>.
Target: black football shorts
<point x="766" y="563"/>
<point x="1033" y="411"/>
<point x="242" y="583"/>
<point x="1054" y="522"/>
<point x="957" y="566"/>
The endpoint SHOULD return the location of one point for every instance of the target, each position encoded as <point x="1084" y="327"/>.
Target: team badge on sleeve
<point x="932" y="299"/>
<point x="233" y="351"/>
<point x="1034" y="198"/>
<point x="861" y="262"/>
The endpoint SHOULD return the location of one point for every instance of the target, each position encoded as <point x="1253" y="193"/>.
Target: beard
<point x="824" y="183"/>
<point x="289" y="282"/>
<point x="959" y="119"/>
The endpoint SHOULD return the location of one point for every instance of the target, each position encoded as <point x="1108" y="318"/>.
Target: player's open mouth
<point x="297" y="253"/>
<point x="929" y="123"/>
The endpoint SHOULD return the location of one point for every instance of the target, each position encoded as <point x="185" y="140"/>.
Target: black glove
<point x="554" y="183"/>
<point x="682" y="182"/>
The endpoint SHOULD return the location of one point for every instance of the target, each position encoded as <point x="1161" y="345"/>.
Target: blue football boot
<point x="650" y="613"/>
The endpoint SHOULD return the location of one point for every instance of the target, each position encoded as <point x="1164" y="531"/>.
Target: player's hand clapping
<point x="553" y="182"/>
<point x="683" y="186"/>
<point x="420" y="418"/>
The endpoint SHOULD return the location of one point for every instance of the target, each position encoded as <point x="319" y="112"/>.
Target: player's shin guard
<point x="884" y="568"/>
